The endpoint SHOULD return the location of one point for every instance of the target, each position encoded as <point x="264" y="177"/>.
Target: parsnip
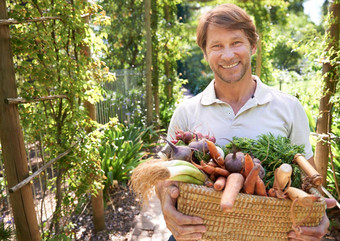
<point x="282" y="176"/>
<point x="304" y="199"/>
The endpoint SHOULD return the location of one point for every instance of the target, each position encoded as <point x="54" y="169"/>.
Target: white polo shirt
<point x="269" y="111"/>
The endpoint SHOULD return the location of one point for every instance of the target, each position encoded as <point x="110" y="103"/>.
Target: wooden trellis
<point x="11" y="135"/>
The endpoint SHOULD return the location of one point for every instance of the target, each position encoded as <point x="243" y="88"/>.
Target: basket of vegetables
<point x="247" y="190"/>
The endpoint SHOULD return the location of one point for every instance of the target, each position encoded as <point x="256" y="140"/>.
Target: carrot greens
<point x="272" y="151"/>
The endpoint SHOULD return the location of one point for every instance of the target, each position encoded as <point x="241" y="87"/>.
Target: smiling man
<point x="235" y="103"/>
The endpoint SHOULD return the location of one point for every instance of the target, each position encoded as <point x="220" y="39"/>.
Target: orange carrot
<point x="212" y="177"/>
<point x="271" y="192"/>
<point x="220" y="183"/>
<point x="222" y="172"/>
<point x="215" y="154"/>
<point x="248" y="165"/>
<point x="232" y="187"/>
<point x="260" y="188"/>
<point x="249" y="183"/>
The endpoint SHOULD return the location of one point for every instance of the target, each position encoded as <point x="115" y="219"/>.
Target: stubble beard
<point x="235" y="77"/>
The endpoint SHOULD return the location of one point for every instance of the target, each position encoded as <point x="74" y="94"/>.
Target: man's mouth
<point x="229" y="66"/>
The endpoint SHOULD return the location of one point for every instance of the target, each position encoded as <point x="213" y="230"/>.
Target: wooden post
<point x="331" y="78"/>
<point x="259" y="57"/>
<point x="98" y="200"/>
<point x="12" y="142"/>
<point x="148" y="60"/>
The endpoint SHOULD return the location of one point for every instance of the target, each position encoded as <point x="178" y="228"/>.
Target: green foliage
<point x="196" y="70"/>
<point x="6" y="233"/>
<point x="53" y="58"/>
<point x="285" y="56"/>
<point x="60" y="237"/>
<point x="272" y="151"/>
<point x="333" y="172"/>
<point x="121" y="149"/>
<point x="125" y="40"/>
<point x="125" y="37"/>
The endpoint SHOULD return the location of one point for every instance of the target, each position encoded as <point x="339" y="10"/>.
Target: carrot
<point x="212" y="177"/>
<point x="271" y="192"/>
<point x="260" y="188"/>
<point x="232" y="187"/>
<point x="249" y="183"/>
<point x="220" y="183"/>
<point x="222" y="172"/>
<point x="215" y="154"/>
<point x="248" y="165"/>
<point x="212" y="163"/>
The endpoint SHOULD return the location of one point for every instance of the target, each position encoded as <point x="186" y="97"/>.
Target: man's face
<point x="228" y="53"/>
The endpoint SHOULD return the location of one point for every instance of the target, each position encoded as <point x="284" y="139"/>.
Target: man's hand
<point x="314" y="233"/>
<point x="182" y="227"/>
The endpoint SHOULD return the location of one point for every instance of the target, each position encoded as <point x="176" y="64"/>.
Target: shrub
<point x="121" y="149"/>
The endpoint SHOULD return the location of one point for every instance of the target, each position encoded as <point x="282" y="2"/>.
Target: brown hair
<point x="228" y="16"/>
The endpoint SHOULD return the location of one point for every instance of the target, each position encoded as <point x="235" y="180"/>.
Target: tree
<point x="330" y="73"/>
<point x="148" y="60"/>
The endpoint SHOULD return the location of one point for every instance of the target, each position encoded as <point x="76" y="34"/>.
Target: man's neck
<point x="235" y="94"/>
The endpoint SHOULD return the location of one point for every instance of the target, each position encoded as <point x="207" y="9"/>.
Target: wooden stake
<point x="12" y="143"/>
<point x="23" y="101"/>
<point x="37" y="172"/>
<point x="97" y="201"/>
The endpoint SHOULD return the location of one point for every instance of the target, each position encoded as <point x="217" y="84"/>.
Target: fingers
<point x="331" y="203"/>
<point x="311" y="233"/>
<point x="182" y="227"/>
<point x="173" y="191"/>
<point x="186" y="232"/>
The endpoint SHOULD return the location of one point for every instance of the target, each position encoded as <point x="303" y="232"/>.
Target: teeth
<point x="229" y="66"/>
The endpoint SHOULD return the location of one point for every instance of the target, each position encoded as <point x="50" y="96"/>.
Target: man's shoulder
<point x="279" y="95"/>
<point x="191" y="102"/>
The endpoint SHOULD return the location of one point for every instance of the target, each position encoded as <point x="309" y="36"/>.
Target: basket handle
<point x="295" y="224"/>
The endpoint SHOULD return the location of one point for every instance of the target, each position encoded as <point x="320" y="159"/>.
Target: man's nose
<point x="227" y="53"/>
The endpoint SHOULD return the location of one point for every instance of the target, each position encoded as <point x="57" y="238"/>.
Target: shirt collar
<point x="261" y="95"/>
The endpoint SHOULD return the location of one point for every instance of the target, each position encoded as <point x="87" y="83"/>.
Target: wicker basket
<point x="252" y="218"/>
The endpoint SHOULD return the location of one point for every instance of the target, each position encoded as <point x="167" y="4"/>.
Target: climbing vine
<point x="50" y="59"/>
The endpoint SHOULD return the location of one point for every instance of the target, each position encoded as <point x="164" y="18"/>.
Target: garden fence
<point x="121" y="96"/>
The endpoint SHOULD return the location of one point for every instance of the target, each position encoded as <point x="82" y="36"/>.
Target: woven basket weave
<point x="252" y="218"/>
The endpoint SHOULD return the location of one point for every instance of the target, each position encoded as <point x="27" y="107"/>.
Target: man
<point x="235" y="103"/>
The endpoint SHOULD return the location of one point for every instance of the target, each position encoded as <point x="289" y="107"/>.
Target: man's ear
<point x="205" y="56"/>
<point x="253" y="50"/>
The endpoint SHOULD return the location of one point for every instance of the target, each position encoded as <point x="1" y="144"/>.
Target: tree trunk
<point x="259" y="56"/>
<point x="331" y="78"/>
<point x="148" y="60"/>
<point x="168" y="82"/>
<point x="12" y="142"/>
<point x="98" y="200"/>
<point x="155" y="68"/>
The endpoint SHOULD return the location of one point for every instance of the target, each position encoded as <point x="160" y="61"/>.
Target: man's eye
<point x="237" y="42"/>
<point x="216" y="46"/>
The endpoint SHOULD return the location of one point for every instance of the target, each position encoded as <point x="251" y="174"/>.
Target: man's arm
<point x="182" y="227"/>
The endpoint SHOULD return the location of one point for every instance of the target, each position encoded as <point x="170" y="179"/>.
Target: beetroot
<point x="187" y="137"/>
<point x="262" y="171"/>
<point x="234" y="161"/>
<point x="212" y="139"/>
<point x="179" y="152"/>
<point x="200" y="145"/>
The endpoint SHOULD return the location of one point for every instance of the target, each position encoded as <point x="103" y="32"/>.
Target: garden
<point x="89" y="88"/>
